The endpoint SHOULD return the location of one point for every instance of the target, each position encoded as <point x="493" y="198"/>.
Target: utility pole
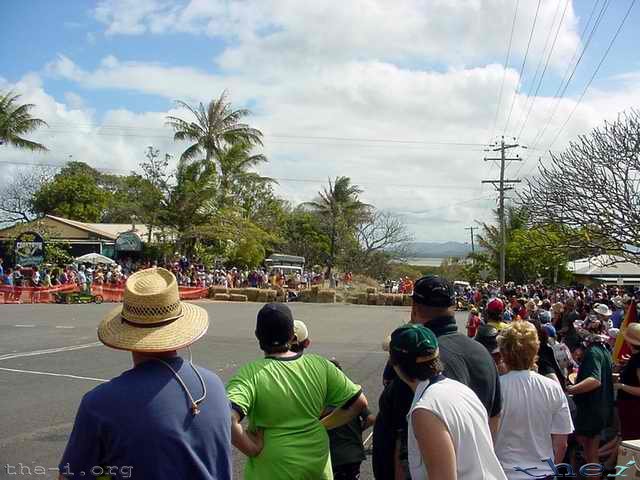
<point x="502" y="186"/>
<point x="473" y="247"/>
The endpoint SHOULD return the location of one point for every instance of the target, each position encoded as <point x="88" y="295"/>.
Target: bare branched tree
<point x="17" y="192"/>
<point x="383" y="231"/>
<point x="590" y="192"/>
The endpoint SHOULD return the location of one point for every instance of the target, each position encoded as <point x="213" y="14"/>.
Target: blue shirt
<point x="140" y="426"/>
<point x="617" y="317"/>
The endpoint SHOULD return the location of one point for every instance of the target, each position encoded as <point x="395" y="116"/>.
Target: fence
<point x="14" y="295"/>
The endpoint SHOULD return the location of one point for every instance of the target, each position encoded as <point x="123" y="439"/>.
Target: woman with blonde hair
<point x="535" y="418"/>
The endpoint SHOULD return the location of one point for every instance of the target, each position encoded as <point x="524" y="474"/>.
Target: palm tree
<point x="16" y="120"/>
<point x="340" y="210"/>
<point x="234" y="162"/>
<point x="216" y="127"/>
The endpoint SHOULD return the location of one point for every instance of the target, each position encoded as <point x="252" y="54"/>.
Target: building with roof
<point x="605" y="269"/>
<point x="105" y="238"/>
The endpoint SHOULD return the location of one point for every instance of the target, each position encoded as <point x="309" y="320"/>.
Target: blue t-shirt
<point x="617" y="317"/>
<point x="139" y="425"/>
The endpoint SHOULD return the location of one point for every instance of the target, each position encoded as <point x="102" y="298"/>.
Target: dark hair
<point x="270" y="350"/>
<point x="413" y="370"/>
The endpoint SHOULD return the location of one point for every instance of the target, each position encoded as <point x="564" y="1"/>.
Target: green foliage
<point x="57" y="253"/>
<point x="73" y="193"/>
<point x="16" y="121"/>
<point x="303" y="235"/>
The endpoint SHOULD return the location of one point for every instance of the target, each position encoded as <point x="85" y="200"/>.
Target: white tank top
<point x="466" y="418"/>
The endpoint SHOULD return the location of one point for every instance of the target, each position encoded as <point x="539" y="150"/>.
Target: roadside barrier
<point x="11" y="294"/>
<point x="16" y="295"/>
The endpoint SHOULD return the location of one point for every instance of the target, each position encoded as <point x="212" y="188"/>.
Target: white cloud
<point x="360" y="70"/>
<point x="464" y="31"/>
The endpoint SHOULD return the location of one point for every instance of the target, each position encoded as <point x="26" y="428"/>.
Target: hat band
<point x="164" y="322"/>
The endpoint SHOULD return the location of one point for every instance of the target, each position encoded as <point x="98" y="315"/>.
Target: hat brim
<point x="181" y="333"/>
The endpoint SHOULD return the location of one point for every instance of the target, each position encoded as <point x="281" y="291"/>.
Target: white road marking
<point x="77" y="377"/>
<point x="50" y="350"/>
<point x="24" y="326"/>
<point x="64" y="326"/>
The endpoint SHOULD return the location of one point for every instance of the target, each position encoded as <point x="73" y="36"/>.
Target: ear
<point x="306" y="343"/>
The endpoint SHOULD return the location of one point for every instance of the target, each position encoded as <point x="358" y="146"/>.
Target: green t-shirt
<point x="595" y="407"/>
<point x="285" y="397"/>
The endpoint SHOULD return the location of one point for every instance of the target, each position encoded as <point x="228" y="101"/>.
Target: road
<point x="49" y="357"/>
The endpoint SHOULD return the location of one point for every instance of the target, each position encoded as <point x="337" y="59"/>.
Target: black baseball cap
<point x="274" y="327"/>
<point x="433" y="291"/>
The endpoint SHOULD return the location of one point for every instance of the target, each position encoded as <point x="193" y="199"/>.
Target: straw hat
<point x="152" y="318"/>
<point x="632" y="334"/>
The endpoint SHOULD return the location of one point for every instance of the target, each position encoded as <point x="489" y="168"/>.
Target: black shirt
<point x="629" y="376"/>
<point x="465" y="360"/>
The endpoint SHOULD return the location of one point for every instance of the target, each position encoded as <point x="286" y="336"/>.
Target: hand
<point x="257" y="438"/>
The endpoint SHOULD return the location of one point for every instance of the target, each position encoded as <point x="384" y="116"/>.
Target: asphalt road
<point x="49" y="357"/>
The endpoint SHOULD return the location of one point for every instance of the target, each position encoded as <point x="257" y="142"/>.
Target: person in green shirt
<point x="283" y="395"/>
<point x="593" y="395"/>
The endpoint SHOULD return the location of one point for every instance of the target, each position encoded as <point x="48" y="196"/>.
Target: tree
<point x="339" y="209"/>
<point x="382" y="231"/>
<point x="235" y="161"/>
<point x="16" y="121"/>
<point x="303" y="235"/>
<point x="73" y="193"/>
<point x="216" y="127"/>
<point x="490" y="238"/>
<point x="17" y="193"/>
<point x="590" y="192"/>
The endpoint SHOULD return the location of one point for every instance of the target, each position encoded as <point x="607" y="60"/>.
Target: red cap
<point x="495" y="305"/>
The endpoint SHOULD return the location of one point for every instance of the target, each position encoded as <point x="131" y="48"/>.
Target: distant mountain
<point x="438" y="250"/>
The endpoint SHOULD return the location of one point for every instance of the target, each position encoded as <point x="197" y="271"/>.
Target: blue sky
<point x="407" y="70"/>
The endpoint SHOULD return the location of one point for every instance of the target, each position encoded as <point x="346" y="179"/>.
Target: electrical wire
<point x="524" y="62"/>
<point x="564" y="84"/>
<point x="546" y="65"/>
<point x="595" y="73"/>
<point x="504" y="70"/>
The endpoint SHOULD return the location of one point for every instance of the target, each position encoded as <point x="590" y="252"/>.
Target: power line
<point x="279" y="179"/>
<point x="57" y="129"/>
<point x="524" y="62"/>
<point x="595" y="73"/>
<point x="504" y="70"/>
<point x="546" y="65"/>
<point x="564" y="85"/>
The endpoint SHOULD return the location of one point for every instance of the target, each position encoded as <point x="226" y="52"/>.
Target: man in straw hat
<point x="283" y="396"/>
<point x="165" y="418"/>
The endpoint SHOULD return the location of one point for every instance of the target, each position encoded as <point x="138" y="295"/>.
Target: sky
<point x="404" y="97"/>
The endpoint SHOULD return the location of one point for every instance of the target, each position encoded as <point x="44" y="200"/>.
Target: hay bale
<point x="406" y="300"/>
<point x="315" y="289"/>
<point x="235" y="297"/>
<point x="362" y="299"/>
<point x="252" y="294"/>
<point x="353" y="299"/>
<point x="236" y="291"/>
<point x="217" y="289"/>
<point x="271" y="295"/>
<point x="398" y="300"/>
<point x="339" y="298"/>
<point x="327" y="296"/>
<point x="388" y="299"/>
<point x="223" y="297"/>
<point x="372" y="290"/>
<point x="380" y="300"/>
<point x="262" y="296"/>
<point x="372" y="299"/>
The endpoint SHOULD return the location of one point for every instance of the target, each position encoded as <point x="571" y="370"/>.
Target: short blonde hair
<point x="519" y="345"/>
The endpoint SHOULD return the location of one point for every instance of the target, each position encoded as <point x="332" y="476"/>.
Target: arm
<point x="559" y="443"/>
<point x="635" y="391"/>
<point x="494" y="425"/>
<point x="342" y="416"/>
<point x="398" y="470"/>
<point x="249" y="444"/>
<point x="585" y="386"/>
<point x="436" y="445"/>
